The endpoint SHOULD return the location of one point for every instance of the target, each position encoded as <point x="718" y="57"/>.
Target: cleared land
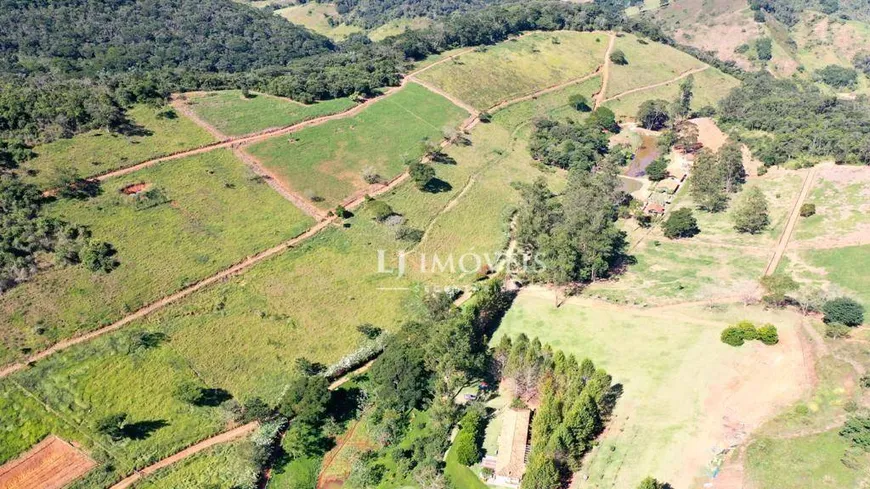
<point x="686" y="394"/>
<point x="648" y="64"/>
<point x="234" y="115"/>
<point x="325" y="163"/>
<point x="51" y="464"/>
<point x="150" y="135"/>
<point x="398" y="26"/>
<point x="207" y="213"/>
<point x="517" y="67"/>
<point x="321" y="18"/>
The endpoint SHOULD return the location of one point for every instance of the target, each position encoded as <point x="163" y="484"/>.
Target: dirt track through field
<point x="791" y="223"/>
<point x="605" y="72"/>
<point x="656" y="85"/>
<point x="278" y="185"/>
<point x="224" y="437"/>
<point x="182" y="106"/>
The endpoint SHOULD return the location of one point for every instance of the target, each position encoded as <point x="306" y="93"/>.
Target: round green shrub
<point x="768" y="334"/>
<point x="732" y="336"/>
<point x="843" y="310"/>
<point x="747" y="329"/>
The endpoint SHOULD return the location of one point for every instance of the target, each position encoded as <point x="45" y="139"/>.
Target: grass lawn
<point x="234" y="115"/>
<point x="648" y="64"/>
<point x="842" y="209"/>
<point x="673" y="369"/>
<point x="811" y="461"/>
<point x="327" y="160"/>
<point x="214" y="214"/>
<point x="711" y="85"/>
<point x="553" y="104"/>
<point x="839" y="270"/>
<point x="317" y="16"/>
<point x="518" y="67"/>
<point x="460" y="476"/>
<point x="398" y="26"/>
<point x="221" y="467"/>
<point x="100" y="151"/>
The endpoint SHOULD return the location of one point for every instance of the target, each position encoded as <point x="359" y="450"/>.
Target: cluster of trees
<point x="716" y="175"/>
<point x="837" y="76"/>
<point x="788" y="11"/>
<point x="569" y="145"/>
<point x="802" y="120"/>
<point x="861" y="61"/>
<point x="371" y="13"/>
<point x="746" y="331"/>
<point x="574" y="237"/>
<point x="423" y="367"/>
<point x="25" y="232"/>
<point x="575" y="397"/>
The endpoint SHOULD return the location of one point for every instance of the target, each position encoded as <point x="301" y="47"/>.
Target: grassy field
<point x="674" y="371"/>
<point x="234" y="115"/>
<point x="840" y="271"/>
<point x="398" y="26"/>
<point x="842" y="210"/>
<point x="711" y="85"/>
<point x="213" y="213"/>
<point x="327" y="161"/>
<point x="317" y="16"/>
<point x="518" y="67"/>
<point x="553" y="104"/>
<point x="100" y="151"/>
<point x="648" y="64"/>
<point x="718" y="262"/>
<point x="220" y="467"/>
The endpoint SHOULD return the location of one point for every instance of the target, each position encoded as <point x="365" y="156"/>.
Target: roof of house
<point x="511" y="458"/>
<point x="653" y="207"/>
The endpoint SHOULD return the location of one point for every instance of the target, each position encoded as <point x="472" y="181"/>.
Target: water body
<point x="646" y="153"/>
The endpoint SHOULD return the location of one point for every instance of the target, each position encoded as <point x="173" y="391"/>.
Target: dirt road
<point x="791" y="223"/>
<point x="278" y="185"/>
<point x="656" y="85"/>
<point x="605" y="72"/>
<point x="182" y="106"/>
<point x="224" y="437"/>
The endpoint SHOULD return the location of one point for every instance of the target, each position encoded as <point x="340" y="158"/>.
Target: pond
<point x="646" y="153"/>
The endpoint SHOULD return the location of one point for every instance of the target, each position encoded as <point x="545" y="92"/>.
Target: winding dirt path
<point x="554" y="88"/>
<point x="434" y="89"/>
<point x="656" y="85"/>
<point x="605" y="72"/>
<point x="791" y="223"/>
<point x="224" y="437"/>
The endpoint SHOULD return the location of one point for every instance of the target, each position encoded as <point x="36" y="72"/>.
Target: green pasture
<point x="517" y="67"/>
<point x="325" y="162"/>
<point x="234" y="115"/>
<point x="212" y="212"/>
<point x="841" y="206"/>
<point x="553" y="104"/>
<point x="321" y="18"/>
<point x="150" y="136"/>
<point x="398" y="26"/>
<point x="648" y="64"/>
<point x="226" y="466"/>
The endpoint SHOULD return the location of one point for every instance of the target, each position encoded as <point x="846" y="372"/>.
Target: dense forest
<point x="371" y="13"/>
<point x="804" y="121"/>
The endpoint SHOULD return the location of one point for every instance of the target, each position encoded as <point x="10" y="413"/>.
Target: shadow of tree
<point x="212" y="397"/>
<point x="142" y="429"/>
<point x="436" y="186"/>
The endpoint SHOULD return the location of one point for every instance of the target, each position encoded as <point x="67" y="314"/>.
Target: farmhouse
<point x="510" y="464"/>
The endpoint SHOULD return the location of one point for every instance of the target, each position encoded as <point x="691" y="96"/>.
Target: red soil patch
<point x="135" y="188"/>
<point x="50" y="464"/>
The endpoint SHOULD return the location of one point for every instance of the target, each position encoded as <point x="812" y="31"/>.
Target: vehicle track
<point x="181" y="105"/>
<point x="225" y="437"/>
<point x="605" y="72"/>
<point x="791" y="223"/>
<point x="656" y="85"/>
<point x="278" y="185"/>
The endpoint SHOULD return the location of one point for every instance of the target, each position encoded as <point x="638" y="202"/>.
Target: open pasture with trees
<point x="188" y="219"/>
<point x="326" y="163"/>
<point x="676" y="376"/>
<point x="842" y="209"/>
<point x="233" y="114"/>
<point x="518" y="67"/>
<point x="647" y="63"/>
<point x="710" y="86"/>
<point x="152" y="132"/>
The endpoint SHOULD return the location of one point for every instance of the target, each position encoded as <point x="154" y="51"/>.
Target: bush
<point x="421" y="173"/>
<point x="843" y="310"/>
<point x="657" y="170"/>
<point x="618" y="57"/>
<point x="680" y="224"/>
<point x="407" y="233"/>
<point x="579" y="102"/>
<point x="99" y="257"/>
<point x="768" y="334"/>
<point x="857" y="432"/>
<point x="747" y="330"/>
<point x="379" y="209"/>
<point x="466" y="451"/>
<point x="808" y="210"/>
<point x="732" y="336"/>
<point x="837" y="331"/>
<point x="837" y="76"/>
<point x="371" y="176"/>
